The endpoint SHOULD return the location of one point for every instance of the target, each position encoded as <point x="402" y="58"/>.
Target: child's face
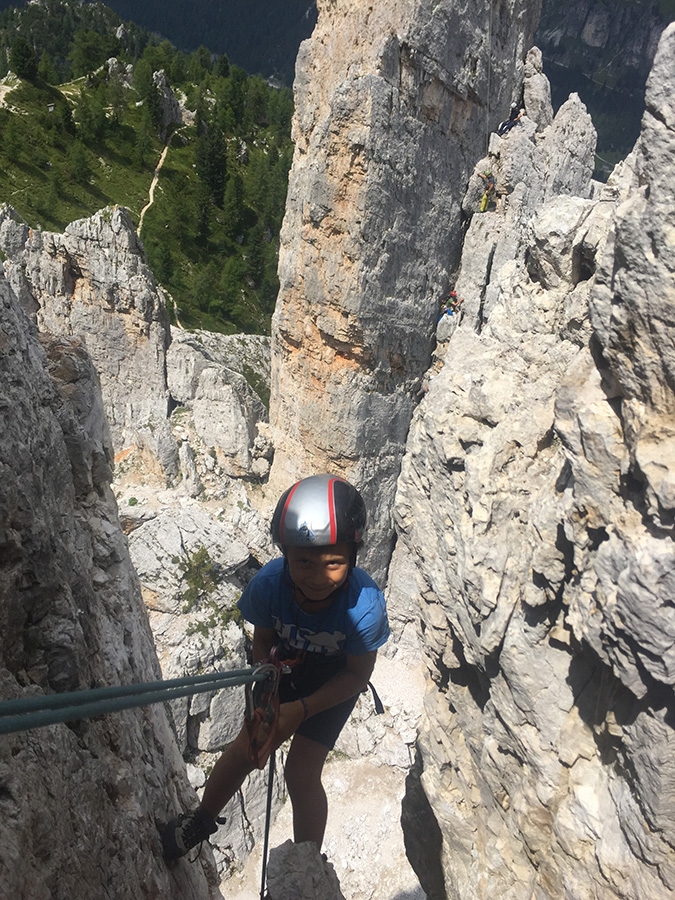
<point x="318" y="571"/>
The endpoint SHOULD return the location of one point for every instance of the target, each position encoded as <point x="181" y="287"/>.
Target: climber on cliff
<point x="489" y="194"/>
<point x="515" y="115"/>
<point x="326" y="618"/>
<point x="452" y="305"/>
<point x="455" y="303"/>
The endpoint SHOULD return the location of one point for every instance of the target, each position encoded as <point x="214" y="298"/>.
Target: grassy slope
<point x="37" y="160"/>
<point x="51" y="178"/>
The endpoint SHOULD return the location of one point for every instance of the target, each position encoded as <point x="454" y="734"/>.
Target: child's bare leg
<point x="303" y="779"/>
<point x="228" y="775"/>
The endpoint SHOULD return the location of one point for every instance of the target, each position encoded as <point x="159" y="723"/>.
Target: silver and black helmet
<point x="318" y="511"/>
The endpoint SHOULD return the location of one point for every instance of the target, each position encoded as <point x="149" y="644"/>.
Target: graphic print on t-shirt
<point x="304" y="639"/>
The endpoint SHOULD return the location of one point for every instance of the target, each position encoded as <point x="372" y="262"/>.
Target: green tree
<point x="47" y="70"/>
<point x="231" y="279"/>
<point x="256" y="180"/>
<point x="90" y="113"/>
<point x="211" y="161"/>
<point x="22" y="60"/>
<point x="147" y="90"/>
<point x="177" y="71"/>
<point x="233" y="206"/>
<point x="203" y="217"/>
<point x="222" y="68"/>
<point x="90" y="50"/>
<point x="269" y="288"/>
<point x="160" y="56"/>
<point x="257" y="99"/>
<point x="117" y="100"/>
<point x="77" y="163"/>
<point x="143" y="143"/>
<point x="64" y="118"/>
<point x="199" y="64"/>
<point x="280" y="112"/>
<point x="255" y="245"/>
<point x="162" y="263"/>
<point x="232" y="95"/>
<point x="205" y="285"/>
<point x="12" y="138"/>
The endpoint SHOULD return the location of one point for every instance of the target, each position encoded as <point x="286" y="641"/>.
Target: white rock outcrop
<point x="225" y="412"/>
<point x="297" y="872"/>
<point x="93" y="282"/>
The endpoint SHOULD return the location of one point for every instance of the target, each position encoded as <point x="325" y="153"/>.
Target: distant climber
<point x="489" y="194"/>
<point x="455" y="303"/>
<point x="326" y="618"/>
<point x="515" y="116"/>
<point x="451" y="306"/>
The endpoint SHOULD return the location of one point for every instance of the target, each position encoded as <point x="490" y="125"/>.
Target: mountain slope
<point x="69" y="148"/>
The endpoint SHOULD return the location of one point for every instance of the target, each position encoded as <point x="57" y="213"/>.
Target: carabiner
<point x="262" y="713"/>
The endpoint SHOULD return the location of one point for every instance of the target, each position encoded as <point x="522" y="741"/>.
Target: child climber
<point x="327" y="617"/>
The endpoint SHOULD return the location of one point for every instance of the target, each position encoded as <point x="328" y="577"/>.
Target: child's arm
<point x="350" y="681"/>
<point x="347" y="683"/>
<point x="263" y="641"/>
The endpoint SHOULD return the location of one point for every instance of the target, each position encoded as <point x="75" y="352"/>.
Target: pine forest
<point x="81" y="128"/>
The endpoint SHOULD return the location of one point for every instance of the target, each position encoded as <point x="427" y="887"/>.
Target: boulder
<point x="298" y="872"/>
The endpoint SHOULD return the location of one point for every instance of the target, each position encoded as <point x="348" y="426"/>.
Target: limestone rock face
<point x="170" y="109"/>
<point x="224" y="410"/>
<point x="392" y="101"/>
<point x="535" y="505"/>
<point x="80" y="802"/>
<point x="590" y="33"/>
<point x="537" y="90"/>
<point x="179" y="459"/>
<point x="93" y="282"/>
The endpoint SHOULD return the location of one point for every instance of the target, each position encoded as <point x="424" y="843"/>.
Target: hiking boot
<point x="184" y="832"/>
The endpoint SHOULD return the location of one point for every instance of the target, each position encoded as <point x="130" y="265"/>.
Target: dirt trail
<point x="153" y="185"/>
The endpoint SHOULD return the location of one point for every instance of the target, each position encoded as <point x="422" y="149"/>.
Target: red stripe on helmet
<point x="331" y="510"/>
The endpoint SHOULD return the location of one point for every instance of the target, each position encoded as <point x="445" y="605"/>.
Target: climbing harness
<point x="262" y="721"/>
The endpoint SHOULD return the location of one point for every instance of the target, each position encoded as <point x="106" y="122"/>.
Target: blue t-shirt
<point x="355" y="622"/>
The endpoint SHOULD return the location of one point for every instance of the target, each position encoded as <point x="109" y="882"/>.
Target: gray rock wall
<point x="79" y="803"/>
<point x="93" y="282"/>
<point x="394" y="102"/>
<point x="535" y="506"/>
<point x="180" y="420"/>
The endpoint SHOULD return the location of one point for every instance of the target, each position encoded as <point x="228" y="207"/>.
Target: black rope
<point x="268" y="815"/>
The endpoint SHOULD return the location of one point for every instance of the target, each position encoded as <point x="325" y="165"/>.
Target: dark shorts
<point x="324" y="727"/>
